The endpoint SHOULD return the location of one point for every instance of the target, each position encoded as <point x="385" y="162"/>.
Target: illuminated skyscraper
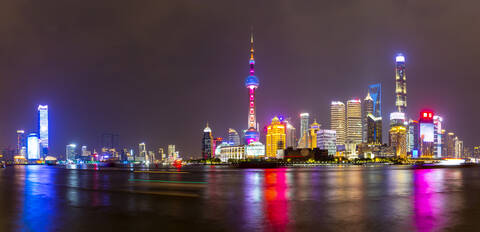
<point x="233" y="137"/>
<point x="70" y="152"/>
<point x="304" y="135"/>
<point x="426" y="134"/>
<point x="374" y="129"/>
<point x="337" y="121"/>
<point x="33" y="147"/>
<point x="437" y="136"/>
<point x="327" y="140"/>
<point x="171" y="151"/>
<point x="400" y="84"/>
<point x="458" y="148"/>
<point x="207" y="143"/>
<point x="43" y="128"/>
<point x="252" y="83"/>
<point x="413" y="136"/>
<point x="290" y="133"/>
<point x="314" y="128"/>
<point x="21" y="142"/>
<point x="354" y="121"/>
<point x="449" y="145"/>
<point x="375" y="92"/>
<point x="367" y="110"/>
<point x="398" y="140"/>
<point x="142" y="151"/>
<point x="276" y="137"/>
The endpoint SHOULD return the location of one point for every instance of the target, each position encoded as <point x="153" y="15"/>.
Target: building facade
<point x="33" y="147"/>
<point x="43" y="129"/>
<point x="233" y="137"/>
<point x="354" y="121"/>
<point x="327" y="140"/>
<point x="304" y="135"/>
<point x="276" y="138"/>
<point x="337" y="121"/>
<point x="207" y="143"/>
<point x="400" y="84"/>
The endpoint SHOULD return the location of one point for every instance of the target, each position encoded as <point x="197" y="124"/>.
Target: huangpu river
<point x="52" y="198"/>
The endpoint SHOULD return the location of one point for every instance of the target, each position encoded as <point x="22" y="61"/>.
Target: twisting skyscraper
<point x="252" y="83"/>
<point x="400" y="84"/>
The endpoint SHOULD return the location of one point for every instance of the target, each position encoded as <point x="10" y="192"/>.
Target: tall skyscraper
<point x="413" y="136"/>
<point x="21" y="142"/>
<point x="304" y="135"/>
<point x="314" y="128"/>
<point x="426" y="134"/>
<point x="276" y="137"/>
<point x="458" y="148"/>
<point x="252" y="83"/>
<point x="367" y="109"/>
<point x="449" y="145"/>
<point x="207" y="143"/>
<point x="398" y="140"/>
<point x="437" y="136"/>
<point x="290" y="133"/>
<point x="337" y="121"/>
<point x="43" y="129"/>
<point x="142" y="151"/>
<point x="375" y="92"/>
<point x="327" y="140"/>
<point x="354" y="121"/>
<point x="233" y="137"/>
<point x="374" y="130"/>
<point x="70" y="152"/>
<point x="33" y="147"/>
<point x="400" y="84"/>
<point x="171" y="151"/>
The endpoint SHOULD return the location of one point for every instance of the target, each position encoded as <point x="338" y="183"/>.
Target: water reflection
<point x="276" y="199"/>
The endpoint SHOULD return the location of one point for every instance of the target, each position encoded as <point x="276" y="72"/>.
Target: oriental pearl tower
<point x="252" y="83"/>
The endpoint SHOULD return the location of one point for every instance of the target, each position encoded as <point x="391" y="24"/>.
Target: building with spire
<point x="367" y="109"/>
<point x="252" y="83"/>
<point x="207" y="143"/>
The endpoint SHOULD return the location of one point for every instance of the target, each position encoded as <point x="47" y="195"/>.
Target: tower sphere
<point x="252" y="81"/>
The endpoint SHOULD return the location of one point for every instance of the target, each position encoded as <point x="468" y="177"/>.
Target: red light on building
<point x="426" y="116"/>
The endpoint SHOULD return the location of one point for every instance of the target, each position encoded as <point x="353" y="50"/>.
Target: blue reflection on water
<point x="39" y="208"/>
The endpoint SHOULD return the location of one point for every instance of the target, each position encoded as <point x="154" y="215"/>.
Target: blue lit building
<point x="43" y="129"/>
<point x="375" y="92"/>
<point x="33" y="148"/>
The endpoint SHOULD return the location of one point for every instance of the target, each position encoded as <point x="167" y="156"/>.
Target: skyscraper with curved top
<point x="400" y="84"/>
<point x="252" y="83"/>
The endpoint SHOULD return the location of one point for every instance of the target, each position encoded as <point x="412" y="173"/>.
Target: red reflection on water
<point x="276" y="199"/>
<point x="428" y="202"/>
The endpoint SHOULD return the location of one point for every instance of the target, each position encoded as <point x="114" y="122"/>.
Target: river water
<point x="48" y="198"/>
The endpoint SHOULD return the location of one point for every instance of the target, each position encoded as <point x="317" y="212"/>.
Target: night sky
<point x="157" y="71"/>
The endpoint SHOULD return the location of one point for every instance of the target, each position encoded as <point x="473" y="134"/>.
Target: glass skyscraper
<point x="400" y="84"/>
<point x="43" y="128"/>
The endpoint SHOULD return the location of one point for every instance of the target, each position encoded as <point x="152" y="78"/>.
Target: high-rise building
<point x="437" y="136"/>
<point x="276" y="138"/>
<point x="207" y="143"/>
<point x="458" y="148"/>
<point x="314" y="128"/>
<point x="354" y="121"/>
<point x="326" y="140"/>
<point x="70" y="152"/>
<point x="33" y="147"/>
<point x="426" y="134"/>
<point x="337" y="121"/>
<point x="171" y="151"/>
<point x="252" y="83"/>
<point x="43" y="129"/>
<point x="375" y="92"/>
<point x="449" y="149"/>
<point x="304" y="135"/>
<point x="291" y="139"/>
<point x="161" y="154"/>
<point x="398" y="140"/>
<point x="21" y="142"/>
<point x="374" y="130"/>
<point x="367" y="109"/>
<point x="413" y="136"/>
<point x="142" y="152"/>
<point x="400" y="84"/>
<point x="233" y="137"/>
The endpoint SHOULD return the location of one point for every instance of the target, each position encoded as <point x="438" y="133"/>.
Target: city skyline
<point x="92" y="89"/>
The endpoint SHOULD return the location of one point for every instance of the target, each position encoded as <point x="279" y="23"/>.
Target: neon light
<point x="400" y="58"/>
